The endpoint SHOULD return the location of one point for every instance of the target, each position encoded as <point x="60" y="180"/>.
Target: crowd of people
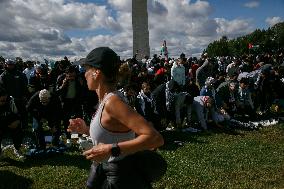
<point x="165" y="91"/>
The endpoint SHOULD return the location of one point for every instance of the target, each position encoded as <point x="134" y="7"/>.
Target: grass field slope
<point x="220" y="158"/>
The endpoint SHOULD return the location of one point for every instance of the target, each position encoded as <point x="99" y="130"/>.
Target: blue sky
<point x="52" y="29"/>
<point x="231" y="9"/>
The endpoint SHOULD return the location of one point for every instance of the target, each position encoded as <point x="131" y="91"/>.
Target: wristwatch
<point x="115" y="150"/>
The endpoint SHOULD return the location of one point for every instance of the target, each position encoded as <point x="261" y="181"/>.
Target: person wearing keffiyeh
<point x="205" y="111"/>
<point x="208" y="89"/>
<point x="145" y="105"/>
<point x="163" y="96"/>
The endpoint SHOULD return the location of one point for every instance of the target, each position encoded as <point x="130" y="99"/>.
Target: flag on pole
<point x="250" y="46"/>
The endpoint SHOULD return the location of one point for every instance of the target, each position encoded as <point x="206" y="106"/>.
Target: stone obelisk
<point x="141" y="46"/>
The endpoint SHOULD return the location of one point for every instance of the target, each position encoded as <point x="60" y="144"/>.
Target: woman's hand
<point x="99" y="152"/>
<point x="78" y="125"/>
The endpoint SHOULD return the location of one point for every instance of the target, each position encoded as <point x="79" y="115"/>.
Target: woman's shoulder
<point x="115" y="105"/>
<point x="115" y="98"/>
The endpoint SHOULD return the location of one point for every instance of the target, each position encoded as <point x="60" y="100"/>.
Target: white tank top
<point x="101" y="135"/>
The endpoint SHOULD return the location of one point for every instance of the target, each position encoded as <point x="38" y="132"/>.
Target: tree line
<point x="258" y="42"/>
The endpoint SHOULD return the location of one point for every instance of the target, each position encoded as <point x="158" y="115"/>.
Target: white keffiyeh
<point x="169" y="97"/>
<point x="142" y="97"/>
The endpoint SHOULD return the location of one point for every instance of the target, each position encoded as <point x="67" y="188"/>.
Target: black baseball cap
<point x="104" y="59"/>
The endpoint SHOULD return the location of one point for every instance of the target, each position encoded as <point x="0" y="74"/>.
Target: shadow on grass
<point x="227" y="130"/>
<point x="64" y="159"/>
<point x="10" y="180"/>
<point x="175" y="139"/>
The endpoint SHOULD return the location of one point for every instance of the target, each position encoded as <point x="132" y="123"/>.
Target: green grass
<point x="217" y="159"/>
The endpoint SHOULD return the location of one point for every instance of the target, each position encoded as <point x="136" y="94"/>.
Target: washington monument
<point x="141" y="46"/>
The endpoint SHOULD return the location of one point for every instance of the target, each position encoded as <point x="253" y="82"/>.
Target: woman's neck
<point x="103" y="91"/>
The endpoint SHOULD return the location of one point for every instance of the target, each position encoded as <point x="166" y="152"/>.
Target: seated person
<point x="45" y="107"/>
<point x="205" y="110"/>
<point x="10" y="122"/>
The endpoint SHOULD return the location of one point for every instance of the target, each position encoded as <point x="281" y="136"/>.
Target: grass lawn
<point x="217" y="159"/>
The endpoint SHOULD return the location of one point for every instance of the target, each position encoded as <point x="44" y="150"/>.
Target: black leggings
<point x="117" y="175"/>
<point x="137" y="171"/>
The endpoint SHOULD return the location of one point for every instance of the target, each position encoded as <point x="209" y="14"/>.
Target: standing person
<point x="69" y="88"/>
<point x="10" y="122"/>
<point x="234" y="67"/>
<point x="161" y="75"/>
<point x="178" y="72"/>
<point x="204" y="71"/>
<point x="15" y="82"/>
<point x="39" y="80"/>
<point x="164" y="51"/>
<point x="116" y="129"/>
<point x="29" y="70"/>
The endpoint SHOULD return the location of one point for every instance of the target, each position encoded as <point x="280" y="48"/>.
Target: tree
<point x="269" y="40"/>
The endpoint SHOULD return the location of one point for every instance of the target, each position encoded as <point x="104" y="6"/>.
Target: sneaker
<point x="68" y="143"/>
<point x="18" y="154"/>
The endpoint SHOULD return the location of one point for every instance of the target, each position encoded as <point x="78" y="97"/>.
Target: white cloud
<point x="120" y="43"/>
<point x="252" y="4"/>
<point x="271" y="21"/>
<point x="121" y="5"/>
<point x="234" y="28"/>
<point x="177" y="21"/>
<point x="40" y="28"/>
